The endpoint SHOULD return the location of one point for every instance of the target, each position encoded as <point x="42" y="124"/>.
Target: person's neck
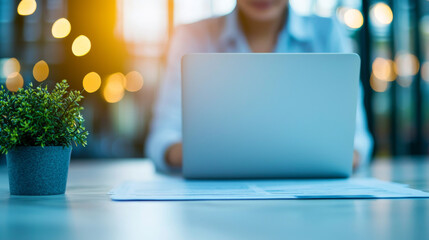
<point x="262" y="36"/>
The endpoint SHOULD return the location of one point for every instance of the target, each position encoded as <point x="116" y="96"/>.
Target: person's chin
<point x="264" y="17"/>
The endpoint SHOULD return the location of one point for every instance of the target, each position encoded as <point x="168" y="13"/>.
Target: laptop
<point x="269" y="115"/>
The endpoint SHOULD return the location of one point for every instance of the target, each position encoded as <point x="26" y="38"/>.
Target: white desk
<point x="86" y="212"/>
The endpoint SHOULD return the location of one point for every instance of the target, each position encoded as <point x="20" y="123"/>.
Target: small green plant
<point x="37" y="117"/>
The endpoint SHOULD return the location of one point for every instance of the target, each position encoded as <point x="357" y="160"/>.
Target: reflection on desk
<point x="86" y="212"/>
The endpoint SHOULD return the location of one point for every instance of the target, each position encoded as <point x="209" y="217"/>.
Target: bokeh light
<point x="114" y="88"/>
<point x="41" y="71"/>
<point x="324" y="8"/>
<point x="381" y="14"/>
<point x="341" y="11"/>
<point x="61" y="28"/>
<point x="91" y="82"/>
<point x="27" y="7"/>
<point x="301" y="7"/>
<point x="406" y="64"/>
<point x="14" y="82"/>
<point x="378" y="85"/>
<point x="133" y="81"/>
<point x="117" y="77"/>
<point x="383" y="69"/>
<point x="353" y="18"/>
<point x="425" y="71"/>
<point x="81" y="46"/>
<point x="405" y="81"/>
<point x="10" y="66"/>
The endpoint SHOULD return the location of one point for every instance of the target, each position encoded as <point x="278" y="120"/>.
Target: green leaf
<point x="38" y="117"/>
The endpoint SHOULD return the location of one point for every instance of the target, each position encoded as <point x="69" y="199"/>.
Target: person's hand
<point x="356" y="160"/>
<point x="173" y="155"/>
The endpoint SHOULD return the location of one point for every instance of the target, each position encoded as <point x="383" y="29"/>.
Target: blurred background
<point x="115" y="50"/>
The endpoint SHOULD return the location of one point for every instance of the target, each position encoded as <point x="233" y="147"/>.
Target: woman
<point x="254" y="26"/>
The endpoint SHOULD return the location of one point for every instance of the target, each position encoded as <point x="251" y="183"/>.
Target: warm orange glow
<point x="27" y="7"/>
<point x="10" y="66"/>
<point x="91" y="82"/>
<point x="133" y="81"/>
<point x="383" y="69"/>
<point x="118" y="78"/>
<point x="41" y="71"/>
<point x="14" y="82"/>
<point x="381" y="14"/>
<point x="114" y="89"/>
<point x="406" y="65"/>
<point x="353" y="18"/>
<point x="81" y="46"/>
<point x="61" y="28"/>
<point x="377" y="84"/>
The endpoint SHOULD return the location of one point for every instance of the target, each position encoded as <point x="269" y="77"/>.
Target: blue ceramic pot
<point x="37" y="170"/>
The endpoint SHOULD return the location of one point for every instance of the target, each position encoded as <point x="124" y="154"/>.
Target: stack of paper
<point x="180" y="189"/>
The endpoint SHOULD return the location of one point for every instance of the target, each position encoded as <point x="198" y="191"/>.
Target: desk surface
<point x="86" y="212"/>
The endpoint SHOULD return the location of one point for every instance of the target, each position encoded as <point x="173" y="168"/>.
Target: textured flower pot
<point x="37" y="170"/>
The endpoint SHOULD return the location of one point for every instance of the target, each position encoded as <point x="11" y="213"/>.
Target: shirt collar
<point x="297" y="26"/>
<point x="231" y="29"/>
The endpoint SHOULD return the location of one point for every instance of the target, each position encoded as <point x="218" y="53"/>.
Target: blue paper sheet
<point x="180" y="189"/>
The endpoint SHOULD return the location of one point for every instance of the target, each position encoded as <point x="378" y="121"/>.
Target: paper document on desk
<point x="180" y="189"/>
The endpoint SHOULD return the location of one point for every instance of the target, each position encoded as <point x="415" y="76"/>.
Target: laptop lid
<point x="269" y="115"/>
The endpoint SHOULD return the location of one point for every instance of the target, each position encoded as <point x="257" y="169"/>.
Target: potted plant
<point x="37" y="130"/>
